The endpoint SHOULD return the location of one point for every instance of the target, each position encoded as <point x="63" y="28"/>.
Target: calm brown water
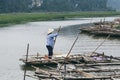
<point x="13" y="41"/>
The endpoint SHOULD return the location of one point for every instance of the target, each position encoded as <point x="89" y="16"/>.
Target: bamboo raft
<point x="101" y="31"/>
<point x="74" y="59"/>
<point x="40" y="60"/>
<point x="80" y="72"/>
<point x="78" y="67"/>
<point x="103" y="28"/>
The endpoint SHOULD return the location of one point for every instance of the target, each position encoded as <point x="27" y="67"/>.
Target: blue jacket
<point x="50" y="39"/>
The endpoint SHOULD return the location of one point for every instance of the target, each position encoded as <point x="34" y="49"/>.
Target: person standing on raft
<point x="50" y="42"/>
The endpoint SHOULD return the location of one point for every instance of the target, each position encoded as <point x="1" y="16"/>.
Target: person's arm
<point x="53" y="35"/>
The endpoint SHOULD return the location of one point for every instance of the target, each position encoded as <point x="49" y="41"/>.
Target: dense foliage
<point x="14" y="5"/>
<point x="74" y="5"/>
<point x="7" y="6"/>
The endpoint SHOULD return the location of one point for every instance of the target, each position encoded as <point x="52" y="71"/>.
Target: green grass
<point x="18" y="18"/>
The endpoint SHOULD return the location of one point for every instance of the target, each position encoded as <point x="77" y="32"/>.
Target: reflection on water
<point x="13" y="41"/>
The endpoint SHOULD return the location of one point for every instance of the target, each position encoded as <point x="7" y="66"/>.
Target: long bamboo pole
<point x="72" y="46"/>
<point x="26" y="61"/>
<point x="100" y="44"/>
<point x="58" y="33"/>
<point x="70" y="50"/>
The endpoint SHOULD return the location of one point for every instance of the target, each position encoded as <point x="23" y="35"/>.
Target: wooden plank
<point x="87" y="75"/>
<point x="96" y="70"/>
<point x="98" y="64"/>
<point x="48" y="74"/>
<point x="32" y="76"/>
<point x="100" y="70"/>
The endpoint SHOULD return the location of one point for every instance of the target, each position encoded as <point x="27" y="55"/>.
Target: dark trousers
<point x="50" y="52"/>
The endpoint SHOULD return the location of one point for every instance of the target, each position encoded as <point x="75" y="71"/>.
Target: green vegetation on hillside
<point x="17" y="18"/>
<point x="10" y="6"/>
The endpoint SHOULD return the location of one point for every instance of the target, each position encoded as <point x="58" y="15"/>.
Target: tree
<point x="7" y="6"/>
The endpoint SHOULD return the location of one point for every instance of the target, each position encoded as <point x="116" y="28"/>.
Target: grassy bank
<point x="17" y="18"/>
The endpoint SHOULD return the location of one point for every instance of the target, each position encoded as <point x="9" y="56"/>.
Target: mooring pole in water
<point x="26" y="60"/>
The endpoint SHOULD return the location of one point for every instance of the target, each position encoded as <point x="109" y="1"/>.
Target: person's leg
<point x="50" y="51"/>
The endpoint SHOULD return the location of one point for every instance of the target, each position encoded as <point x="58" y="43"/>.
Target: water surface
<point x="14" y="39"/>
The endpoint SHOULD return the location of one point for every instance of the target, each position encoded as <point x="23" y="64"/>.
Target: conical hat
<point x="50" y="31"/>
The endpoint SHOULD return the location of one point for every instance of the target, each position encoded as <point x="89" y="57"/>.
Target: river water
<point x="14" y="40"/>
